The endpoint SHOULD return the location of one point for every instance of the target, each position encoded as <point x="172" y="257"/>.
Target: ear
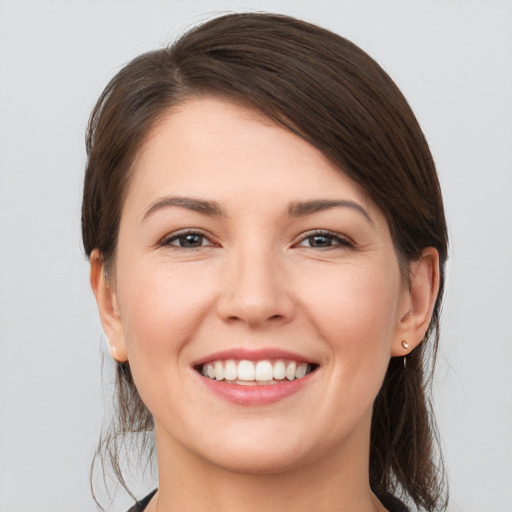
<point x="108" y="308"/>
<point x="418" y="305"/>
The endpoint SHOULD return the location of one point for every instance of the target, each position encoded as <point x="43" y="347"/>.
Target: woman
<point x="267" y="245"/>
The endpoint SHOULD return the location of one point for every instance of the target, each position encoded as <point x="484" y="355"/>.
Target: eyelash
<point x="182" y="235"/>
<point x="338" y="240"/>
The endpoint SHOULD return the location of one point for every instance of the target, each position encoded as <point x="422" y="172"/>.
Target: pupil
<point x="191" y="241"/>
<point x="321" y="241"/>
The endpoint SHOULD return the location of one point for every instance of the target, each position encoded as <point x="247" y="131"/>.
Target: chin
<point x="256" y="461"/>
<point x="261" y="451"/>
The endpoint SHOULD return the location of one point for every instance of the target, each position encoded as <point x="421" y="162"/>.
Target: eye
<point x="324" y="240"/>
<point x="188" y="240"/>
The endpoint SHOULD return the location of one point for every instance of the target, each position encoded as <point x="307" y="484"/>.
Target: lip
<point x="254" y="355"/>
<point x="255" y="395"/>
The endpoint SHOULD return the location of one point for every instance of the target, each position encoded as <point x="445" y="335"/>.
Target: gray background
<point x="452" y="60"/>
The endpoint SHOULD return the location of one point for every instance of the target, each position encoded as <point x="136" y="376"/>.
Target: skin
<point x="257" y="280"/>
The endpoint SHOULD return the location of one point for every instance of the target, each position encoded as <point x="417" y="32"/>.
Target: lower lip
<point x="256" y="395"/>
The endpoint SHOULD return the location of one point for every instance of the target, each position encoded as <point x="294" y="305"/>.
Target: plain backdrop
<point x="452" y="60"/>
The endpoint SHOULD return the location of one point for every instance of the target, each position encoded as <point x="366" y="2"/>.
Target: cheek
<point x="162" y="311"/>
<point x="160" y="307"/>
<point x="355" y="308"/>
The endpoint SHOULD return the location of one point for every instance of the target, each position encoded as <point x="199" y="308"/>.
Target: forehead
<point x="212" y="147"/>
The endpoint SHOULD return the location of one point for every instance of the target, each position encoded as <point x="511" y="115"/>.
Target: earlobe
<point x="422" y="295"/>
<point x="108" y="309"/>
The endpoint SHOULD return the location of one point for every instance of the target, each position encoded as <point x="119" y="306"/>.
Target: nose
<point x="255" y="291"/>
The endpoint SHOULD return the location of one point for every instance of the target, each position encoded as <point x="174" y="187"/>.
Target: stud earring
<point x="406" y="346"/>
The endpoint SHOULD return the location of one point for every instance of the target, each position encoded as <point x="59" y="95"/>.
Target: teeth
<point x="279" y="370"/>
<point x="301" y="370"/>
<point x="262" y="373"/>
<point x="246" y="370"/>
<point x="219" y="370"/>
<point x="230" y="370"/>
<point x="290" y="370"/>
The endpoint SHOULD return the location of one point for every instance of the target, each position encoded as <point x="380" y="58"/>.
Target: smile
<point x="255" y="373"/>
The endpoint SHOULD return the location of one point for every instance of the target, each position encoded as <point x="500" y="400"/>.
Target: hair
<point x="332" y="94"/>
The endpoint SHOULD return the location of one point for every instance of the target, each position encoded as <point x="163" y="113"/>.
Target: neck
<point x="325" y="485"/>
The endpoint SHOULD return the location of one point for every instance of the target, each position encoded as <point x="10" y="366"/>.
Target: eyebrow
<point x="303" y="208"/>
<point x="213" y="209"/>
<point x="210" y="208"/>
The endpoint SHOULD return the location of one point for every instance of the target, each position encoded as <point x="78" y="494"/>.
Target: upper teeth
<point x="259" y="371"/>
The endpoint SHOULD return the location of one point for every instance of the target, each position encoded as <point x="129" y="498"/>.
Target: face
<point x="246" y="259"/>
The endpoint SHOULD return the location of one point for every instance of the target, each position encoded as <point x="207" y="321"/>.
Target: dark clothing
<point x="390" y="502"/>
<point x="143" y="503"/>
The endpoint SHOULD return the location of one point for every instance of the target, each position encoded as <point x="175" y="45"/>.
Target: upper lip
<point x="253" y="355"/>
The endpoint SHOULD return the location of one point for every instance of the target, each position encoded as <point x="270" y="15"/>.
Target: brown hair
<point x="332" y="94"/>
